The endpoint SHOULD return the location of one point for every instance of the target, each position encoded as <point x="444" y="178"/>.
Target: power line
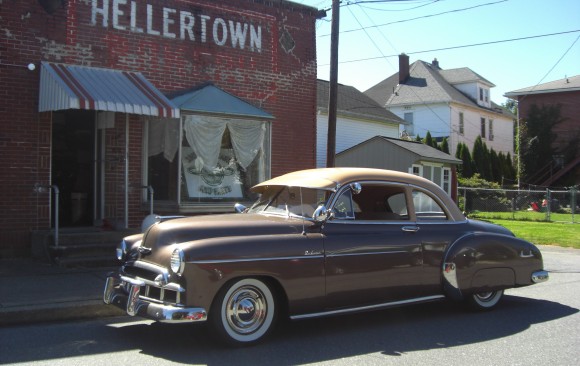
<point x="416" y="18"/>
<point x="462" y="46"/>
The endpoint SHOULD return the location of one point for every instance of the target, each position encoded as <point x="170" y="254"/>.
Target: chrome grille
<point x="155" y="288"/>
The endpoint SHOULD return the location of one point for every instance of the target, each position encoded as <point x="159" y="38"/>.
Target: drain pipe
<point x="151" y="194"/>
<point x="56" y="216"/>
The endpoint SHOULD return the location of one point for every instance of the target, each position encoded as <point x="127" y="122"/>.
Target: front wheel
<point x="244" y="312"/>
<point x="484" y="300"/>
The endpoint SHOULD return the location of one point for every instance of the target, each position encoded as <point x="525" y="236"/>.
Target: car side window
<point x="381" y="202"/>
<point x="343" y="207"/>
<point x="426" y="208"/>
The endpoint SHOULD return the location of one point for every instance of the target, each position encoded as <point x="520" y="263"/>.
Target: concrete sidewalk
<point x="32" y="291"/>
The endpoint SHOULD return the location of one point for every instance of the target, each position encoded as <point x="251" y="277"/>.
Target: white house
<point x="359" y="118"/>
<point x="453" y="104"/>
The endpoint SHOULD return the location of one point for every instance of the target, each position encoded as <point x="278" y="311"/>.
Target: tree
<point x="428" y="139"/>
<point x="536" y="139"/>
<point x="445" y="146"/>
<point x="466" y="169"/>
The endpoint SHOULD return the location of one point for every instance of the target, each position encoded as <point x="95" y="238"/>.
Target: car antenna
<point x="302" y="210"/>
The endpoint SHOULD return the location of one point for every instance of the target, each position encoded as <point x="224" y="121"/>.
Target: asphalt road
<point x="536" y="325"/>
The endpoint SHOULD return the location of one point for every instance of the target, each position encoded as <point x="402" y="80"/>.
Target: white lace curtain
<point x="204" y="135"/>
<point x="164" y="137"/>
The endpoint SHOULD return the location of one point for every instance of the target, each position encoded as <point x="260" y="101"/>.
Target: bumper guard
<point x="540" y="276"/>
<point x="130" y="302"/>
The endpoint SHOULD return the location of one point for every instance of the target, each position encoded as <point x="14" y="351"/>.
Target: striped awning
<point x="80" y="87"/>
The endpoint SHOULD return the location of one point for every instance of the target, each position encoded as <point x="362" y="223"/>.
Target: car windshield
<point x="290" y="201"/>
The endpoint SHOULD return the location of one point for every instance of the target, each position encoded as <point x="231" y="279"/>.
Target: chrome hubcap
<point x="485" y="296"/>
<point x="246" y="310"/>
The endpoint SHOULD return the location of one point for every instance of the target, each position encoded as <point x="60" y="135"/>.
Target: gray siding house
<point x="405" y="156"/>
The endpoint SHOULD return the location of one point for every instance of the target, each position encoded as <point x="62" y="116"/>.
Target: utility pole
<point x="333" y="87"/>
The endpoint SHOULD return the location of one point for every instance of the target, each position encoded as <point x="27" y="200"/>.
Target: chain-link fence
<point x="545" y="205"/>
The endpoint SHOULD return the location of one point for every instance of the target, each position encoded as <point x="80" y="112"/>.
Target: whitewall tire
<point x="485" y="300"/>
<point x="244" y="312"/>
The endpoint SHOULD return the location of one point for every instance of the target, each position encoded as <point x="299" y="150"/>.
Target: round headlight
<point x="177" y="261"/>
<point x="122" y="250"/>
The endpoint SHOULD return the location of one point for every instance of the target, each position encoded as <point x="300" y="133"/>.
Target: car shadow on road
<point x="392" y="332"/>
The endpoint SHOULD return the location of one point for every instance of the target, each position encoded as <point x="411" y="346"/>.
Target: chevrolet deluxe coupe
<point x="318" y="243"/>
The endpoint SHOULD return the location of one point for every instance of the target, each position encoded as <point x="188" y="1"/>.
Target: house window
<point x="483" y="128"/>
<point x="416" y="170"/>
<point x="446" y="180"/>
<point x="410" y="128"/>
<point x="206" y="159"/>
<point x="486" y="95"/>
<point x="481" y="94"/>
<point x="461" y="124"/>
<point x="490" y="130"/>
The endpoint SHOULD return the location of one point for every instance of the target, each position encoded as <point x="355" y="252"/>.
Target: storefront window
<point x="221" y="159"/>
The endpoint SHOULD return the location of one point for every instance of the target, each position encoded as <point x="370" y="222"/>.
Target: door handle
<point x="410" y="229"/>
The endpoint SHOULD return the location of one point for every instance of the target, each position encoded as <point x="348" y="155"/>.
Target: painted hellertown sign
<point x="177" y="24"/>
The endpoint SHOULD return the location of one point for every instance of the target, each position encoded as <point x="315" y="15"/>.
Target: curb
<point x="86" y="309"/>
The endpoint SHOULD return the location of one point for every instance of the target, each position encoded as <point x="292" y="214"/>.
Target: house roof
<point x="428" y="84"/>
<point x="353" y="103"/>
<point x="424" y="151"/>
<point x="464" y="75"/>
<point x="208" y="98"/>
<point x="557" y="86"/>
<point x="421" y="150"/>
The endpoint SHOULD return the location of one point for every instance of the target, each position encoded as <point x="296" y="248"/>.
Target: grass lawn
<point x="544" y="233"/>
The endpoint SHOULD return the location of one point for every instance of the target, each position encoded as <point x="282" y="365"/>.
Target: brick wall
<point x="277" y="74"/>
<point x="570" y="113"/>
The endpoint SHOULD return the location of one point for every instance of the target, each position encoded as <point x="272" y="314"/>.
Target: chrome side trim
<point x="334" y="255"/>
<point x="540" y="276"/>
<point x="257" y="259"/>
<point x="367" y="308"/>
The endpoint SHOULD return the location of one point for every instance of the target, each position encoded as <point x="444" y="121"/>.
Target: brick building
<point x="108" y="101"/>
<point x="565" y="93"/>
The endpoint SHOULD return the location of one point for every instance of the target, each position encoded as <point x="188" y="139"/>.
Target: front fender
<point x="482" y="262"/>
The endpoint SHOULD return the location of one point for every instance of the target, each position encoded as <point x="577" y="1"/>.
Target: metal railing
<point x="530" y="205"/>
<point x="38" y="188"/>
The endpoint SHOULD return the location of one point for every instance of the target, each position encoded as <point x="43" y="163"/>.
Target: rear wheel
<point x="243" y="312"/>
<point x="484" y="300"/>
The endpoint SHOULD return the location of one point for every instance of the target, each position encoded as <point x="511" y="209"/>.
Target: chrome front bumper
<point x="124" y="292"/>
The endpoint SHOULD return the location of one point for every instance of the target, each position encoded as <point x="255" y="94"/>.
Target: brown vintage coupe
<point x="318" y="243"/>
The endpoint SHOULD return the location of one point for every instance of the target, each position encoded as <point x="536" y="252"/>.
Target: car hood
<point x="189" y="229"/>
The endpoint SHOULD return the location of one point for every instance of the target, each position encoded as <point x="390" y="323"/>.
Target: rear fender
<point x="481" y="262"/>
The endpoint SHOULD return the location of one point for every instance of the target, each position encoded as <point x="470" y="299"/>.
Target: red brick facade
<point x="570" y="113"/>
<point x="176" y="45"/>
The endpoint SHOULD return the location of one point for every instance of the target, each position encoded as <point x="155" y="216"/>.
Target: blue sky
<point x="509" y="65"/>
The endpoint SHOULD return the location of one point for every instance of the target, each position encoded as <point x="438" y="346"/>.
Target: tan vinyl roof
<point x="332" y="178"/>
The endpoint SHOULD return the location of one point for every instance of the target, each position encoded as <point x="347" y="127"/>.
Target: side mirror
<point x="321" y="214"/>
<point x="239" y="208"/>
<point x="356" y="188"/>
